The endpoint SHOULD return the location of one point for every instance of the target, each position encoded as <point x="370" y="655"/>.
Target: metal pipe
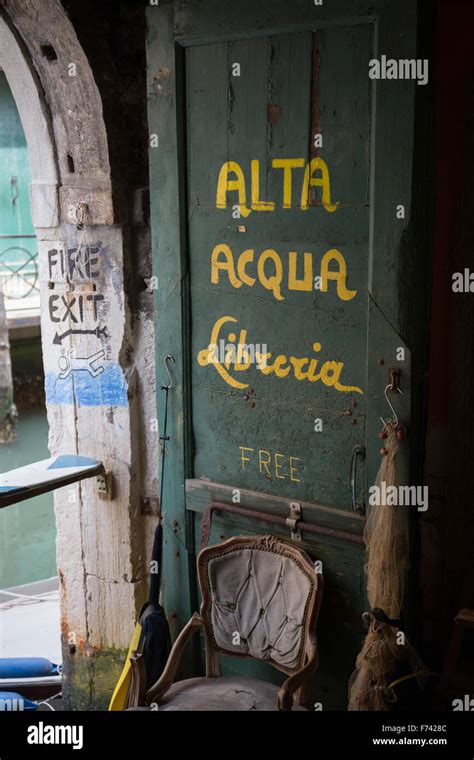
<point x="254" y="514"/>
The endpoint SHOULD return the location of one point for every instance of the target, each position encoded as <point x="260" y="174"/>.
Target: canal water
<point x="27" y="529"/>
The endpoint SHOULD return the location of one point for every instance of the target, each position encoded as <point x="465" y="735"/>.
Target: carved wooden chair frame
<point x="296" y="686"/>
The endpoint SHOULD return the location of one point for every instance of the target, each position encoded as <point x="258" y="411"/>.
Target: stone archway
<point x="84" y="326"/>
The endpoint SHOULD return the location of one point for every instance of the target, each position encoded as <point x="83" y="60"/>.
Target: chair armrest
<point x="294" y="682"/>
<point x="136" y="697"/>
<point x="166" y="679"/>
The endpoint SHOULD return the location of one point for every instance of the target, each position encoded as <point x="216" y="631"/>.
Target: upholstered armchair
<point x="260" y="599"/>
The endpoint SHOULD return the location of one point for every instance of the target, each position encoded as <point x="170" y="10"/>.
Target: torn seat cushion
<point x="220" y="694"/>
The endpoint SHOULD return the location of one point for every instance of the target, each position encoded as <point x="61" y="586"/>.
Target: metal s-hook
<point x="168" y="358"/>
<point x="395" y="416"/>
<point x="80" y="215"/>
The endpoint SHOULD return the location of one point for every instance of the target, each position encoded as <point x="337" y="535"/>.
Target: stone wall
<point x="79" y="74"/>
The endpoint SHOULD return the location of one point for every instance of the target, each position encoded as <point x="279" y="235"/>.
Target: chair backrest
<point x="260" y="599"/>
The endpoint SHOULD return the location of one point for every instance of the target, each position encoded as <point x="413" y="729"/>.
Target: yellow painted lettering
<point x="226" y="185"/>
<point x="262" y="363"/>
<point x="340" y="276"/>
<point x="298" y="365"/>
<point x="330" y="373"/>
<point x="226" y="264"/>
<point x="243" y="458"/>
<point x="307" y="282"/>
<point x="229" y="351"/>
<point x="309" y="180"/>
<point x="333" y="380"/>
<point x="312" y="377"/>
<point x="245" y="258"/>
<point x="273" y="282"/>
<point x="293" y="469"/>
<point x="243" y="359"/>
<point x="239" y="356"/>
<point x="211" y="357"/>
<point x="264" y="463"/>
<point x="278" y="367"/>
<point x="257" y="204"/>
<point x="348" y="388"/>
<point x="287" y="164"/>
<point x="278" y="467"/>
<point x="203" y="356"/>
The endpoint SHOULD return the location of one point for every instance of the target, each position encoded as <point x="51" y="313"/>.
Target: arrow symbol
<point x="98" y="332"/>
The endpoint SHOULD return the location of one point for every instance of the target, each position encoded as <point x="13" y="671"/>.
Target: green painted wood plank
<point x="197" y="23"/>
<point x="200" y="493"/>
<point x="164" y="83"/>
<point x="345" y="110"/>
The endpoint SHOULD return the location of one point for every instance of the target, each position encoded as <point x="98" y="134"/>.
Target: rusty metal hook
<point x="80" y="215"/>
<point x="390" y="386"/>
<point x="168" y="358"/>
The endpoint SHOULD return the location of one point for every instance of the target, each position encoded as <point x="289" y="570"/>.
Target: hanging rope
<point x="384" y="649"/>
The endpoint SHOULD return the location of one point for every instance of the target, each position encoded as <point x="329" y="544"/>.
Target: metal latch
<point x="292" y="520"/>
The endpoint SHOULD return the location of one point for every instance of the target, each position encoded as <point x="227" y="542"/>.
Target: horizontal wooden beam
<point x="328" y="522"/>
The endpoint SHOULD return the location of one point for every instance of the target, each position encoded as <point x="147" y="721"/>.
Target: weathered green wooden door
<point x="277" y="170"/>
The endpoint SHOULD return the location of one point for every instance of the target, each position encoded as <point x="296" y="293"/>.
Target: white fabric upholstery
<point x="259" y="600"/>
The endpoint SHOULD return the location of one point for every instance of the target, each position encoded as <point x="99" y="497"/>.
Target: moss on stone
<point x="90" y="680"/>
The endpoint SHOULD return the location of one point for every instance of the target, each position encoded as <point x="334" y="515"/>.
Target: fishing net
<point x="386" y="539"/>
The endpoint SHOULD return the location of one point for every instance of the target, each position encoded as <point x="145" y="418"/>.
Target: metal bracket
<point x="104" y="486"/>
<point x="150" y="505"/>
<point x="394" y="375"/>
<point x="292" y="520"/>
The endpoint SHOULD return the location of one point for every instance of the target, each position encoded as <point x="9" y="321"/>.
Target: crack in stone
<point x="133" y="581"/>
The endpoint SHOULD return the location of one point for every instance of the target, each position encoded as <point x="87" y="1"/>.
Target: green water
<point x="27" y="530"/>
